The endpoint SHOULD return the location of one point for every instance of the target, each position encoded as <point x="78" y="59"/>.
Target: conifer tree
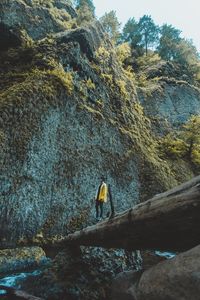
<point x="111" y="25"/>
<point x="169" y="39"/>
<point x="86" y="11"/>
<point x="131" y="33"/>
<point x="149" y="32"/>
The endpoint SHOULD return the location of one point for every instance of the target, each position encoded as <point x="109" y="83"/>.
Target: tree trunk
<point x="168" y="221"/>
<point x="190" y="149"/>
<point x="146" y="44"/>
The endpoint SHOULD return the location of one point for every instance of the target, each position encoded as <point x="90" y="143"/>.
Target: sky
<point x="181" y="14"/>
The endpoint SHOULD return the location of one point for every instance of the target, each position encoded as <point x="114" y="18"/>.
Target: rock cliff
<point x="170" y="97"/>
<point x="69" y="114"/>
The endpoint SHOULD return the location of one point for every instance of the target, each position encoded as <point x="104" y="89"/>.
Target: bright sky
<point x="181" y="14"/>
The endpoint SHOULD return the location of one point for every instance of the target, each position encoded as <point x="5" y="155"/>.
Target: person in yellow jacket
<point x="101" y="198"/>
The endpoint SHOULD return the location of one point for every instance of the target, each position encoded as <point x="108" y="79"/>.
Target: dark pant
<point x="99" y="204"/>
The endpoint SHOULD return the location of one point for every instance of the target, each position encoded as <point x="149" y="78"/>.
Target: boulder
<point x="89" y="38"/>
<point x="176" y="278"/>
<point x="125" y="285"/>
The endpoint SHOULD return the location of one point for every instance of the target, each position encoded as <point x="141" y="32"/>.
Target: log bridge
<point x="168" y="221"/>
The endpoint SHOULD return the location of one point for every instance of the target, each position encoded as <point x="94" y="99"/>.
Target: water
<point x="15" y="280"/>
<point x="165" y="254"/>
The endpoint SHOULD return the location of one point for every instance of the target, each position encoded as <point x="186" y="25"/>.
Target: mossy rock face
<point x="62" y="128"/>
<point x="170" y="103"/>
<point x="36" y="18"/>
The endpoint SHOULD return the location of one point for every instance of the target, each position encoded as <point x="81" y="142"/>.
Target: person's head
<point x="103" y="179"/>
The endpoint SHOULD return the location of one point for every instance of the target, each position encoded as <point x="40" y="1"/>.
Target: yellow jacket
<point x="102" y="193"/>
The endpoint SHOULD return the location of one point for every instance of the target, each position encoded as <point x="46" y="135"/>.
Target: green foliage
<point x="123" y="51"/>
<point x="148" y="60"/>
<point x="108" y="78"/>
<point x="140" y="34"/>
<point x="89" y="84"/>
<point x="62" y="17"/>
<point x="142" y="80"/>
<point x="122" y="88"/>
<point x="184" y="143"/>
<point x="129" y="73"/>
<point x="173" y="146"/>
<point x="149" y="32"/>
<point x="85" y="10"/>
<point x="47" y="3"/>
<point x="104" y="58"/>
<point x="169" y="38"/>
<point x="102" y="53"/>
<point x="111" y="25"/>
<point x="65" y="78"/>
<point x="187" y="54"/>
<point x="131" y="33"/>
<point x="196" y="155"/>
<point x="83" y="3"/>
<point x="191" y="136"/>
<point x="144" y="34"/>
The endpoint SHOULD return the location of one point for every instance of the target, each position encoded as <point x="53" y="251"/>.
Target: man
<point x="101" y="198"/>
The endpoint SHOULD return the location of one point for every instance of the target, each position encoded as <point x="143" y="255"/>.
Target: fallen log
<point x="13" y="294"/>
<point x="168" y="221"/>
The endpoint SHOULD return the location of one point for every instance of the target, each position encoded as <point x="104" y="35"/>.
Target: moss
<point x="108" y="78"/>
<point x="77" y="222"/>
<point x="96" y="114"/>
<point x="36" y="88"/>
<point x="89" y="84"/>
<point x="65" y="78"/>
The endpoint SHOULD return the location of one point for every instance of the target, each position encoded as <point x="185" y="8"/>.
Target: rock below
<point x="177" y="278"/>
<point x="12" y="260"/>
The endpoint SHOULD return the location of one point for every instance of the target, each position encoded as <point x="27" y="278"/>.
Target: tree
<point x="149" y="32"/>
<point x="169" y="38"/>
<point x="186" y="53"/>
<point x="191" y="134"/>
<point x="86" y="11"/>
<point x="131" y="33"/>
<point x="111" y="25"/>
<point x="81" y="4"/>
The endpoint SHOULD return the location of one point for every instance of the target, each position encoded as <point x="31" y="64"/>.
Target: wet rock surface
<point x="83" y="273"/>
<point x="13" y="260"/>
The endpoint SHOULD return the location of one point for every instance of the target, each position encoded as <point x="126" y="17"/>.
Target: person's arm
<point x="111" y="202"/>
<point x="97" y="193"/>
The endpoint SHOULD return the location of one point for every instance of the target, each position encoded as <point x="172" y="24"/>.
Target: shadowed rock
<point x="12" y="294"/>
<point x="177" y="278"/>
<point x="12" y="260"/>
<point x="89" y="39"/>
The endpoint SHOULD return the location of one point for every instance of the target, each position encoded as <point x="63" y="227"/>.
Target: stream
<point x="16" y="280"/>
